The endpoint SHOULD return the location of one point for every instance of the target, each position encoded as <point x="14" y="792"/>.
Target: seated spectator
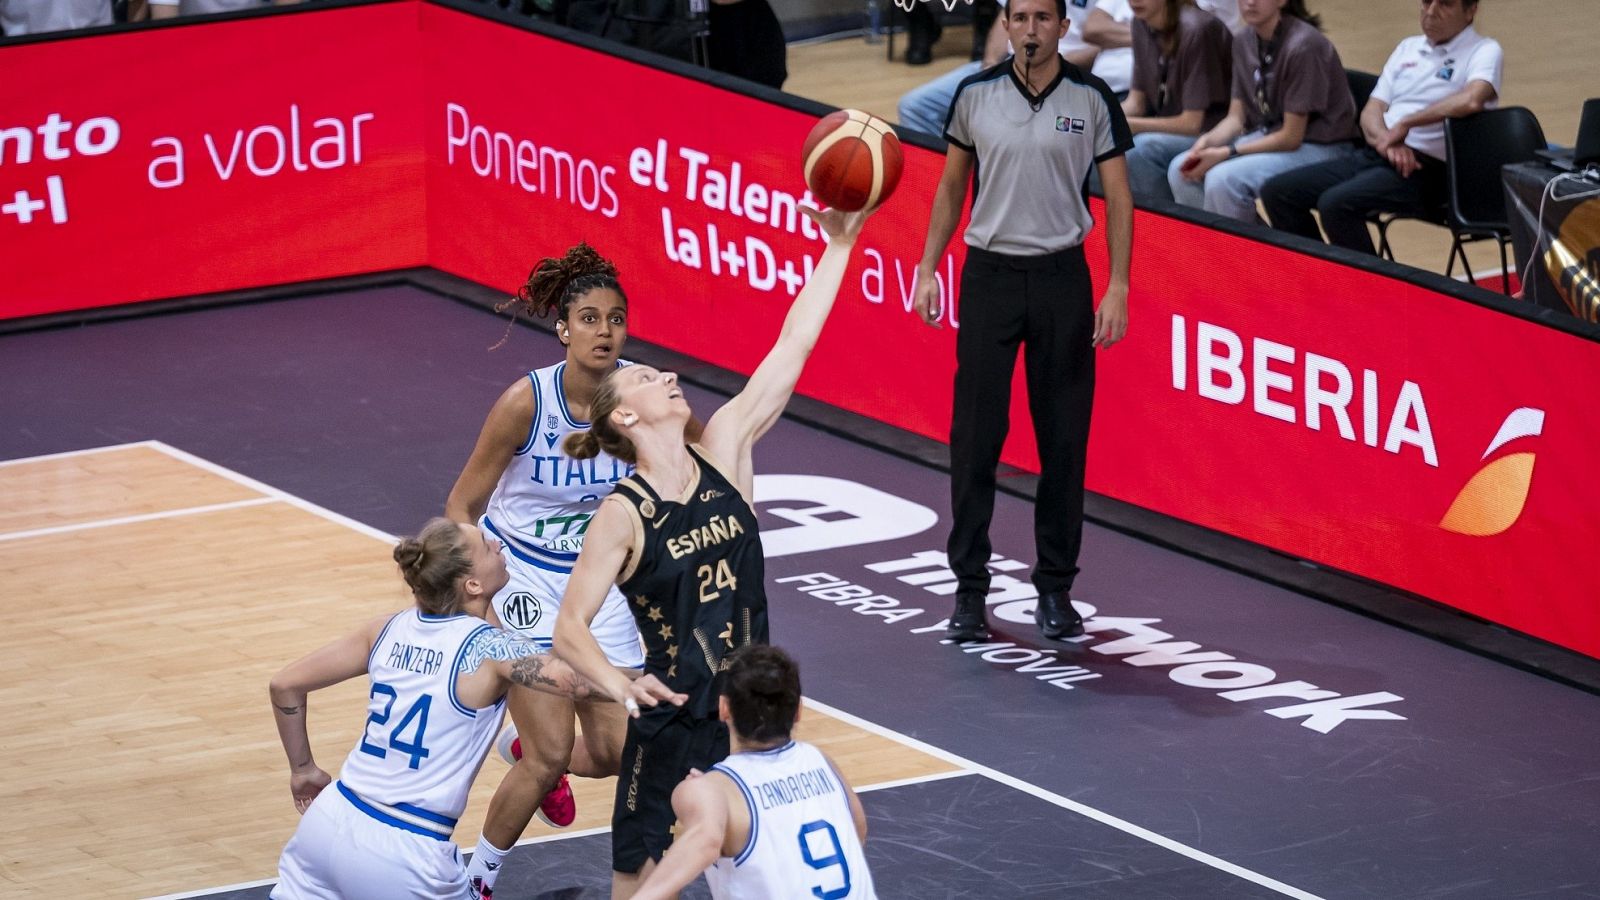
<point x="1107" y="28"/>
<point x="925" y="107"/>
<point x="1182" y="78"/>
<point x="1291" y="107"/>
<point x="18" y="17"/>
<point x="1449" y="70"/>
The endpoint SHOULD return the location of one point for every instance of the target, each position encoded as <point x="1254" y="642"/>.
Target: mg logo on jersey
<point x="523" y="611"/>
<point x="1493" y="498"/>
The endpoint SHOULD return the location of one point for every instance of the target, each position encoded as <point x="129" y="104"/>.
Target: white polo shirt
<point x="1226" y="10"/>
<point x="1113" y="65"/>
<point x="1420" y="74"/>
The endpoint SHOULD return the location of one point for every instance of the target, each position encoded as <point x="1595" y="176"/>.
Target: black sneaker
<point x="967" y="623"/>
<point x="1056" y="616"/>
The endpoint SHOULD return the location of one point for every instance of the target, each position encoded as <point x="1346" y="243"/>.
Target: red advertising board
<point x="1328" y="412"/>
<point x="182" y="161"/>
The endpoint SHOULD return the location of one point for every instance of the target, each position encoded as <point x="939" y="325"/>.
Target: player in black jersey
<point x="679" y="538"/>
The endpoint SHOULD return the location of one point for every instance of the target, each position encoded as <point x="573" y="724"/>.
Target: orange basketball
<point x="852" y="160"/>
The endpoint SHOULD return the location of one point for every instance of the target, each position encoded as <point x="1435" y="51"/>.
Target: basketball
<point x="852" y="160"/>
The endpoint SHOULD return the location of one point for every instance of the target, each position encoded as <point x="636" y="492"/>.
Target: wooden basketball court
<point x="153" y="596"/>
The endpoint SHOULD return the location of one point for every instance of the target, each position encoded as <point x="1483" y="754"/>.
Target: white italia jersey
<point x="540" y="511"/>
<point x="803" y="841"/>
<point x="545" y="498"/>
<point x="421" y="746"/>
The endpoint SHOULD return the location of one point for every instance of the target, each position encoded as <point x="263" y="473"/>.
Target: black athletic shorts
<point x="642" y="819"/>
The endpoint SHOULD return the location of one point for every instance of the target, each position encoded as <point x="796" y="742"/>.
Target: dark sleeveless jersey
<point x="697" y="586"/>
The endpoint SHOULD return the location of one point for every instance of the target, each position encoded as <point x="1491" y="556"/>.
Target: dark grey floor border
<point x="1379" y="601"/>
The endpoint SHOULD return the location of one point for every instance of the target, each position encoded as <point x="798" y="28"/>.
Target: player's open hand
<point x="841" y="227"/>
<point x="647" y="691"/>
<point x="305" y="784"/>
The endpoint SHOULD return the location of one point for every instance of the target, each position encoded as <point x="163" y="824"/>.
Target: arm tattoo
<point x="289" y="710"/>
<point x="528" y="659"/>
<point x="529" y="672"/>
<point x="493" y="643"/>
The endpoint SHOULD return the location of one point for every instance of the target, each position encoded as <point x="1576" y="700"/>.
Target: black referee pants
<point x="1047" y="304"/>
<point x="1345" y="191"/>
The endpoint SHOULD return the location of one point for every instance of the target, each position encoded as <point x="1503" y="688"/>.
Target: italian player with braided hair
<point x="524" y="490"/>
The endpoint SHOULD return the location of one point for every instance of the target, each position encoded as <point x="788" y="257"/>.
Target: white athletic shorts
<point x="528" y="603"/>
<point x="340" y="851"/>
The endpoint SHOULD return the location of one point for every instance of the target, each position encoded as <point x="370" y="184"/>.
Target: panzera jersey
<point x="421" y="746"/>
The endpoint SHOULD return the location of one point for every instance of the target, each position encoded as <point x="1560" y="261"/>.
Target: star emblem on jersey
<point x="672" y="671"/>
<point x="647" y="509"/>
<point x="655" y="614"/>
<point x="666" y="632"/>
<point x="642" y="600"/>
<point x="672" y="650"/>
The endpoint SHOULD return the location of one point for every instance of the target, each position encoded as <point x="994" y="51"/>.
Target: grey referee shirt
<point x="1032" y="166"/>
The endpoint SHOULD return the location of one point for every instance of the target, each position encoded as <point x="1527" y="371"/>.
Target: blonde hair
<point x="603" y="434"/>
<point x="434" y="563"/>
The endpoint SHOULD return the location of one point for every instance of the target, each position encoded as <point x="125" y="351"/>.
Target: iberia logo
<point x="1493" y="499"/>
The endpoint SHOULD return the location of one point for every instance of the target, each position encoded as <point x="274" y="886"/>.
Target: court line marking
<point x="1081" y="809"/>
<point x="67" y="454"/>
<point x="142" y="517"/>
<point x="1010" y="781"/>
<point x="908" y="782"/>
<point x="276" y="493"/>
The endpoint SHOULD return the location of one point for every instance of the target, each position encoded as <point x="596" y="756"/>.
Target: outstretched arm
<point x="494" y="658"/>
<point x="503" y="432"/>
<point x="605" y="552"/>
<point x="330" y="664"/>
<point x="703" y="823"/>
<point x="745" y="418"/>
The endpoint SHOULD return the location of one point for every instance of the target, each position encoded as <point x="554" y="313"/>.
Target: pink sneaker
<point x="558" y="809"/>
<point x="509" y="745"/>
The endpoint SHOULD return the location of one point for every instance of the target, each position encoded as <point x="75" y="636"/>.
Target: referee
<point x="1031" y="127"/>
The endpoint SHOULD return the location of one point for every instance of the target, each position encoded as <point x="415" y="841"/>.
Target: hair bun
<point x="409" y="554"/>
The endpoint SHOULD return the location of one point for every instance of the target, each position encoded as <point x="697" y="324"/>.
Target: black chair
<point x="1477" y="147"/>
<point x="1361" y="87"/>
